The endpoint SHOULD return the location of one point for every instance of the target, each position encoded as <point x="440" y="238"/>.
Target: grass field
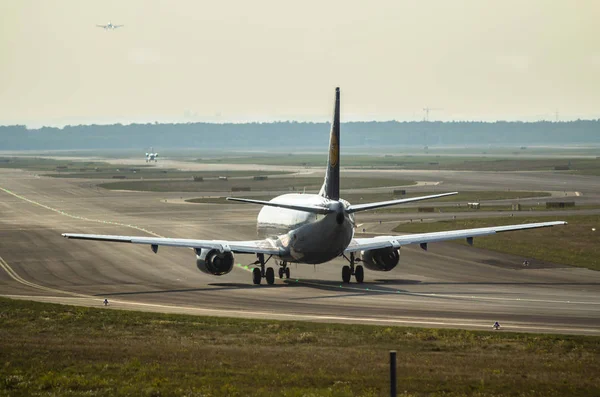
<point x="587" y="166"/>
<point x="54" y="350"/>
<point x="574" y="244"/>
<point x="357" y="198"/>
<point x="297" y="184"/>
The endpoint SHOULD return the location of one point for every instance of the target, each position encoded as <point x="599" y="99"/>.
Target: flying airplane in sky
<point x="151" y="156"/>
<point x="110" y="26"/>
<point x="312" y="229"/>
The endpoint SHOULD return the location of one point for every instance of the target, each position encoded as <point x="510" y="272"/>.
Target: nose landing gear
<point x="348" y="271"/>
<point x="284" y="270"/>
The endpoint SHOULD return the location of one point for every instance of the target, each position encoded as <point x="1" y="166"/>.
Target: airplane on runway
<point x="110" y="26"/>
<point x="312" y="229"/>
<point x="151" y="156"/>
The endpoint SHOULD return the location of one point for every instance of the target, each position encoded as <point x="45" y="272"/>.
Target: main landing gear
<point x="348" y="271"/>
<point x="258" y="273"/>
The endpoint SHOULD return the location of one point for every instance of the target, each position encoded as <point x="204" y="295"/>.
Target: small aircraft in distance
<point x="151" y="156"/>
<point x="313" y="229"/>
<point x="110" y="26"/>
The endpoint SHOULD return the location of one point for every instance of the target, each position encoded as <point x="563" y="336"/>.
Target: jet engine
<point x="382" y="260"/>
<point x="214" y="262"/>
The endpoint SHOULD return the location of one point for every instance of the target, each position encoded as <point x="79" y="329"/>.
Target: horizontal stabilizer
<point x="371" y="206"/>
<point x="305" y="208"/>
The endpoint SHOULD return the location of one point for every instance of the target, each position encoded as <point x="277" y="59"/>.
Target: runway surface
<point x="448" y="286"/>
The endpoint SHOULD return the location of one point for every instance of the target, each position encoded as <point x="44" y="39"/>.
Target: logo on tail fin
<point x="334" y="151"/>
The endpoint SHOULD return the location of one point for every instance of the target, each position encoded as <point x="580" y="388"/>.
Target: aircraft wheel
<point x="280" y="272"/>
<point x="270" y="276"/>
<point x="256" y="276"/>
<point x="287" y="272"/>
<point x="346" y="274"/>
<point x="359" y="274"/>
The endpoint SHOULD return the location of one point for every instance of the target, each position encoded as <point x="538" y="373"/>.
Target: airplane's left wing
<point x="372" y="243"/>
<point x="268" y="247"/>
<point x="118" y="26"/>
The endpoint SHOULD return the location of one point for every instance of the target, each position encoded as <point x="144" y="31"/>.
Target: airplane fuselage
<point x="307" y="237"/>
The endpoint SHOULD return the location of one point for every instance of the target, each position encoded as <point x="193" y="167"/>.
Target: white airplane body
<point x="151" y="156"/>
<point x="312" y="229"/>
<point x="110" y="26"/>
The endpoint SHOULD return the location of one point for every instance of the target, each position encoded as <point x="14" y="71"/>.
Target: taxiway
<point x="448" y="286"/>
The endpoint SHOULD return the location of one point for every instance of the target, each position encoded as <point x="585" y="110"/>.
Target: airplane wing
<point x="371" y="243"/>
<point x="118" y="26"/>
<point x="102" y="26"/>
<point x="268" y="247"/>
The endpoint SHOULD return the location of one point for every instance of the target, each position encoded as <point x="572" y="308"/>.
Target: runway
<point x="448" y="286"/>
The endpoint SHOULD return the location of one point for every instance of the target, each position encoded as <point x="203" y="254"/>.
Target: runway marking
<point x="434" y="295"/>
<point x="15" y="276"/>
<point x="427" y="295"/>
<point x="82" y="218"/>
<point x="460" y="323"/>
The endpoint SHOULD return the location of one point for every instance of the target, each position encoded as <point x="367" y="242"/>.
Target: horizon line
<point x="164" y="122"/>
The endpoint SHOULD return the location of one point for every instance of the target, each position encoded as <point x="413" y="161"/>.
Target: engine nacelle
<point x="214" y="262"/>
<point x="381" y="260"/>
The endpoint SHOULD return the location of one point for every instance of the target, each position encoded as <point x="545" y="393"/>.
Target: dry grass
<point x="48" y="349"/>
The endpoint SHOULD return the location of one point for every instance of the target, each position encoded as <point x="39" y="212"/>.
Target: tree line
<point x="297" y="135"/>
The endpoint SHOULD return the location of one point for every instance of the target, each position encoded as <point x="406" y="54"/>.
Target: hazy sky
<point x="276" y="60"/>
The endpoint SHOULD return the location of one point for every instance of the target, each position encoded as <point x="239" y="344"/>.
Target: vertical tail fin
<point x="331" y="185"/>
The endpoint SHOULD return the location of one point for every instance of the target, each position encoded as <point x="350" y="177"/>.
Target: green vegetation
<point x="50" y="349"/>
<point x="297" y="184"/>
<point x="369" y="136"/>
<point x="358" y="198"/>
<point x="585" y="166"/>
<point x="575" y="244"/>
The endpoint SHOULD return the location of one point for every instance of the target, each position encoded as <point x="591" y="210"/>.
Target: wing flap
<point x="371" y="243"/>
<point x="267" y="247"/>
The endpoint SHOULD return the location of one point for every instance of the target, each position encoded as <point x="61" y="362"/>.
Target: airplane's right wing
<point x="267" y="247"/>
<point x="372" y="243"/>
